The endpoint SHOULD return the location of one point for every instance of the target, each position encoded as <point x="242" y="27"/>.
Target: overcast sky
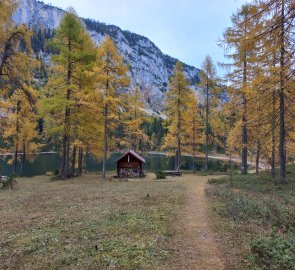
<point x="185" y="29"/>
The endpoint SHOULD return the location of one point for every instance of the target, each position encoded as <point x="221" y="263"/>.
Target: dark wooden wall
<point x="133" y="162"/>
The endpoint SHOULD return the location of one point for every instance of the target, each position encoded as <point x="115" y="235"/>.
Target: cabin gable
<point x="130" y="165"/>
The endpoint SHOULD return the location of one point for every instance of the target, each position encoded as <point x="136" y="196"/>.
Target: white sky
<point x="185" y="29"/>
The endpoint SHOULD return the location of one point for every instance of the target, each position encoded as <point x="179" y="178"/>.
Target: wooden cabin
<point x="130" y="165"/>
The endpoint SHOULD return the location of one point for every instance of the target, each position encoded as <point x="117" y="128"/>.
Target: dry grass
<point x="87" y="223"/>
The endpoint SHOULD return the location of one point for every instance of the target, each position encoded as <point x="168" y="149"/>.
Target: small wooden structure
<point x="130" y="165"/>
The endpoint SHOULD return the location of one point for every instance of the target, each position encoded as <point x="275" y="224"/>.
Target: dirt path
<point x="193" y="245"/>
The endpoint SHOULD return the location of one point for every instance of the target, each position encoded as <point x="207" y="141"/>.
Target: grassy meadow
<point x="254" y="218"/>
<point x="87" y="223"/>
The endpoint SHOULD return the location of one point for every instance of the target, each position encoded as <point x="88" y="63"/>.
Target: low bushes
<point x="256" y="205"/>
<point x="274" y="252"/>
<point x="160" y="175"/>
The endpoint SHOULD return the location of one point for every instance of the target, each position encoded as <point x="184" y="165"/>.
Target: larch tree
<point x="208" y="83"/>
<point x="111" y="74"/>
<point x="62" y="96"/>
<point x="278" y="16"/>
<point x="195" y="128"/>
<point x="16" y="76"/>
<point x="263" y="36"/>
<point x="177" y="100"/>
<point x="88" y="124"/>
<point x="134" y="135"/>
<point x="228" y="119"/>
<point x="241" y="50"/>
<point x="265" y="104"/>
<point x="15" y="51"/>
<point x="273" y="79"/>
<point x="20" y="131"/>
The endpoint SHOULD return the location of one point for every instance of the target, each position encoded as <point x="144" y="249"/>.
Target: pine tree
<point x="111" y="77"/>
<point x="178" y="97"/>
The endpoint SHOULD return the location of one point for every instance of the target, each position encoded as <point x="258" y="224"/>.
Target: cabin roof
<point x="133" y="154"/>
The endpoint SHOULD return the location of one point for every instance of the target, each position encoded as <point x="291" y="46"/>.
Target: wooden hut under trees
<point x="130" y="165"/>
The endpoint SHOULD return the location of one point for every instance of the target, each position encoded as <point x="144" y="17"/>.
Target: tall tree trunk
<point x="244" y="168"/>
<point x="176" y="160"/>
<point x="23" y="159"/>
<point x="194" y="144"/>
<point x="207" y="125"/>
<point x="66" y="142"/>
<point x="178" y="132"/>
<point x="282" y="151"/>
<point x="63" y="158"/>
<point x="273" y="136"/>
<point x="105" y="140"/>
<point x="258" y="156"/>
<point x="17" y="135"/>
<point x="68" y="147"/>
<point x="80" y="161"/>
<point x="74" y="160"/>
<point x="15" y="158"/>
<point x="230" y="165"/>
<point x="66" y="137"/>
<point x="68" y="129"/>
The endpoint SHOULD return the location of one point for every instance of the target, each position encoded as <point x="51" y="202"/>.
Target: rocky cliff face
<point x="150" y="69"/>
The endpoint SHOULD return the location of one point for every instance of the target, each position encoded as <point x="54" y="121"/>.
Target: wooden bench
<point x="173" y="173"/>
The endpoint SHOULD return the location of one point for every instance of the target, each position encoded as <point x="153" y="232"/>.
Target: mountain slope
<point x="150" y="69"/>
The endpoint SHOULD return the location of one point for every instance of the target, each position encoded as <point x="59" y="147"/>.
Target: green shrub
<point x="217" y="181"/>
<point x="241" y="208"/>
<point x="213" y="181"/>
<point x="160" y="175"/>
<point x="274" y="252"/>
